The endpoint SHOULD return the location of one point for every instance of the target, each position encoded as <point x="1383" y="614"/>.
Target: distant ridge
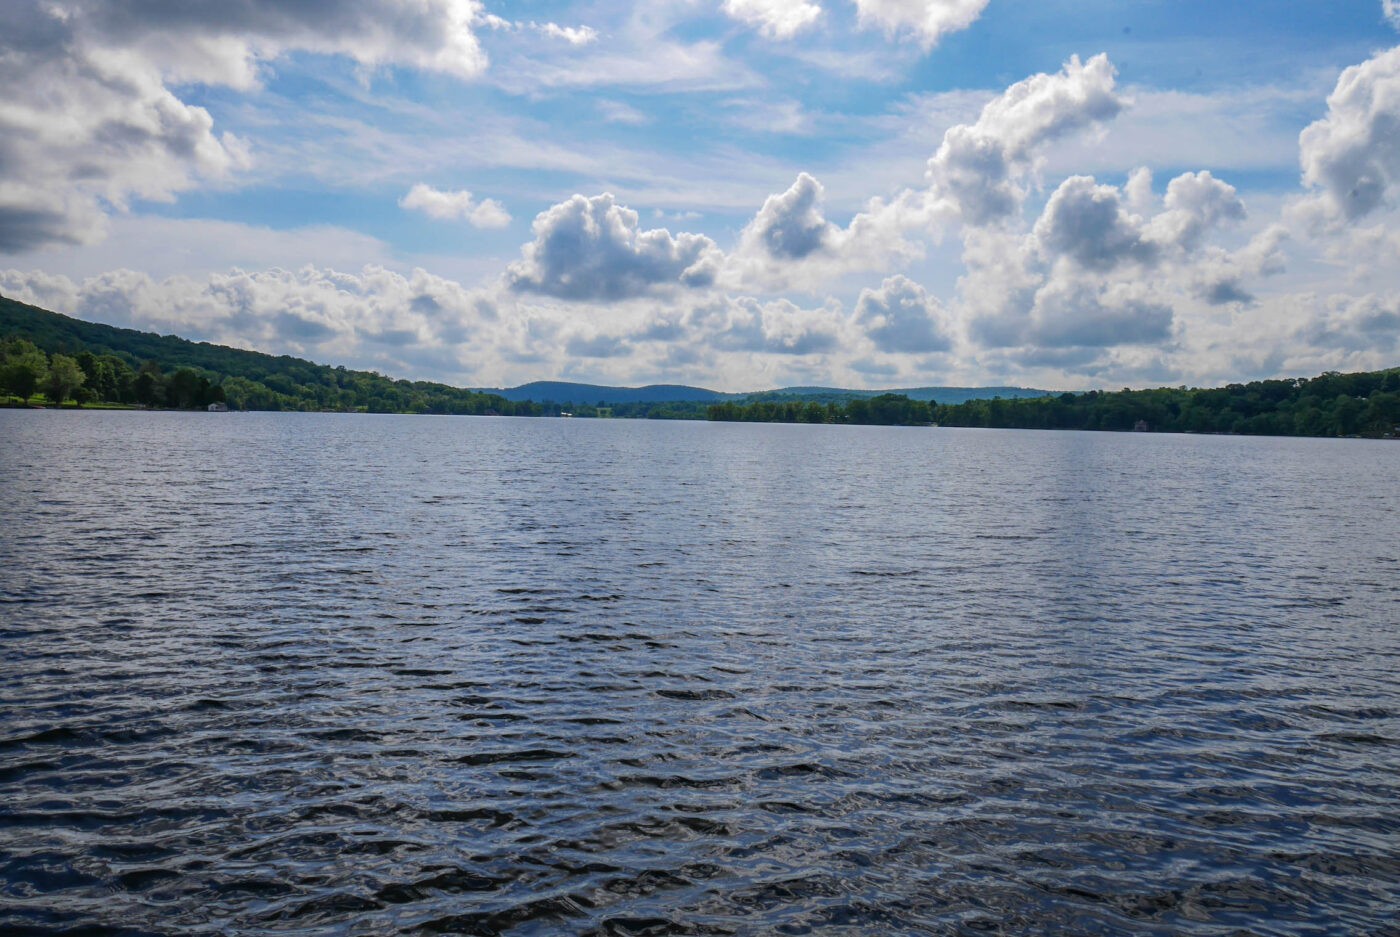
<point x="564" y="392"/>
<point x="568" y="392"/>
<point x="943" y="395"/>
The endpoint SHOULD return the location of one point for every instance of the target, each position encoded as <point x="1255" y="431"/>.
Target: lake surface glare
<point x="313" y="673"/>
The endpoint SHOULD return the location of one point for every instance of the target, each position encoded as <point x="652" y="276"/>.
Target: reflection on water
<point x="310" y="673"/>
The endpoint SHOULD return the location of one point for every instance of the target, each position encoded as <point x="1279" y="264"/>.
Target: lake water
<point x="366" y="675"/>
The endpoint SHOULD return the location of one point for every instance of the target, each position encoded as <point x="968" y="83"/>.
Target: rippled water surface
<point x="368" y="675"/>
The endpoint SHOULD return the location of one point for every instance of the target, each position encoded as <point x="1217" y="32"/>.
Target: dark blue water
<point x="368" y="675"/>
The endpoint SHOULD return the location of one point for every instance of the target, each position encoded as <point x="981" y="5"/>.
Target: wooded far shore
<point x="47" y="359"/>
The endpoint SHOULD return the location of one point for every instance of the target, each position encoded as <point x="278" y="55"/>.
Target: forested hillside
<point x="130" y="367"/>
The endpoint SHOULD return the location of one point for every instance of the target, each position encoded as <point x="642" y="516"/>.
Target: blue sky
<point x="737" y="193"/>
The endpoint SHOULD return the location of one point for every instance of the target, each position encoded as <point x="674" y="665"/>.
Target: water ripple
<point x="313" y="673"/>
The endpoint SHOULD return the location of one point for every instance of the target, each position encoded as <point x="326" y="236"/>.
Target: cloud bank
<point x="1063" y="278"/>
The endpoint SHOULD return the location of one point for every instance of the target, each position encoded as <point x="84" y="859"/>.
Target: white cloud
<point x="1391" y="10"/>
<point x="1218" y="276"/>
<point x="778" y="327"/>
<point x="1105" y="267"/>
<point x="979" y="167"/>
<point x="1072" y="311"/>
<point x="1298" y="334"/>
<point x="593" y="248"/>
<point x="88" y="129"/>
<point x="778" y="19"/>
<point x="1357" y="324"/>
<point x="790" y="243"/>
<point x="927" y="20"/>
<point x="978" y="173"/>
<point x="901" y="318"/>
<point x="223" y="43"/>
<point x="89" y="123"/>
<point x="1351" y="156"/>
<point x="1196" y="203"/>
<point x="454" y="205"/>
<point x="1088" y="223"/>
<point x="573" y="35"/>
<point x="791" y="225"/>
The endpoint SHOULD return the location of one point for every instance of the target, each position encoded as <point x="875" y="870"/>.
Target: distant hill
<point x="568" y="392"/>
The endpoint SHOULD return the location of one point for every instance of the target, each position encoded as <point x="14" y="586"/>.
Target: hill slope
<point x="249" y="379"/>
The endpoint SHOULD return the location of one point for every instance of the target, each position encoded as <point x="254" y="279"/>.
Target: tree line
<point x="1332" y="404"/>
<point x="29" y="376"/>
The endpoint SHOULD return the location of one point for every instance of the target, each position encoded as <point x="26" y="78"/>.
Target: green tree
<point x="183" y="390"/>
<point x="63" y="379"/>
<point x="22" y="368"/>
<point x="149" y="386"/>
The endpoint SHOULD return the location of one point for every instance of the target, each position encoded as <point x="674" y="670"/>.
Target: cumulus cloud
<point x="1391" y="10"/>
<point x="455" y="205"/>
<point x="593" y="248"/>
<point x="1196" y="203"/>
<point x="90" y="122"/>
<point x="1350" y="157"/>
<point x="1094" y="226"/>
<point x="1087" y="313"/>
<point x="979" y="167"/>
<point x="1088" y="223"/>
<point x="778" y="327"/>
<point x="1357" y="323"/>
<point x="122" y="134"/>
<point x="790" y="243"/>
<point x="778" y="19"/>
<point x="926" y="20"/>
<point x="979" y="174"/>
<point x="1218" y="276"/>
<point x="1105" y="266"/>
<point x="791" y="225"/>
<point x="901" y="318"/>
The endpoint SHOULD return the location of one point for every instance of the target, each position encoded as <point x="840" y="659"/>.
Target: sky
<point x="738" y="194"/>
